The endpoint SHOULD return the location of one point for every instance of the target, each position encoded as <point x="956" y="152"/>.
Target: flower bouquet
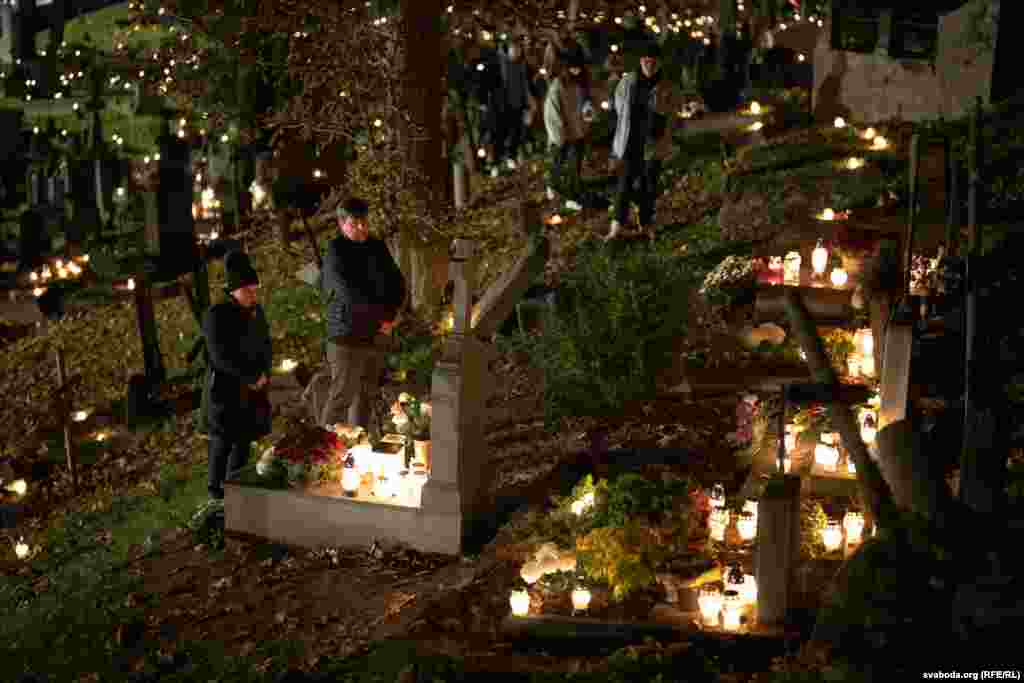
<point x="309" y="453"/>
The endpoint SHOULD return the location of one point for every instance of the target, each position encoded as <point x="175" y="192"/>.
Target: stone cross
<point x="457" y="488"/>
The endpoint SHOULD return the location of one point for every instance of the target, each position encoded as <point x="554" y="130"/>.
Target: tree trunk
<point x="874" y="490"/>
<point x="422" y="100"/>
<point x="425" y="267"/>
<point x="574" y="12"/>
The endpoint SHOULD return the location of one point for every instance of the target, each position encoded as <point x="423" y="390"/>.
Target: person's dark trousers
<point x="227" y="456"/>
<point x="565" y="178"/>
<point x="638" y="180"/>
<point x="509" y="133"/>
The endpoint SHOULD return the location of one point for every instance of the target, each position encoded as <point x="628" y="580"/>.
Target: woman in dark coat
<point x="240" y="357"/>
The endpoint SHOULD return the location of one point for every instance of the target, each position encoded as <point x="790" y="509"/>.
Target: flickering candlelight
<point x="867" y="365"/>
<point x="838" y="277"/>
<point x="756" y="126"/>
<point x="288" y="364"/>
<point x="18" y="487"/>
<point x="791" y="268"/>
<point x="481" y="153"/>
<point x="853" y="365"/>
<point x="867" y="341"/>
<point x="819" y="259"/>
<point x="21" y="549"/>
<point x="839" y="122"/>
<point x="832" y="536"/>
<point x="854" y="163"/>
<point x="80" y="415"/>
<point x="520" y="603"/>
<point x="580" y="506"/>
<point x="130" y="286"/>
<point x="38" y="292"/>
<point x="33" y="276"/>
<point x="880" y="143"/>
<point x="709" y="601"/>
<point x="869" y="134"/>
<point x="749" y="590"/>
<point x="755" y="108"/>
<point x="605" y="105"/>
<point x="827" y="456"/>
<point x="732" y="606"/>
<point x="827" y="215"/>
<point x="555" y="219"/>
<point x="580" y="599"/>
<point x="853" y="523"/>
<point x="746" y="525"/>
<point x="74" y="268"/>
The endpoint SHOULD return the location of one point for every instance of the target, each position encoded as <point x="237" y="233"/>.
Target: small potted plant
<point x="411" y="418"/>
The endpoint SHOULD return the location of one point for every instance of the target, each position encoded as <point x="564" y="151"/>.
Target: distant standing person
<point x="365" y="290"/>
<point x="566" y="110"/>
<point x="516" y="99"/>
<point x="240" y="357"/>
<point x="643" y="107"/>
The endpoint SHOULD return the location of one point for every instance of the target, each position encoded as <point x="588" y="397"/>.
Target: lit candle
<point x="38" y="291"/>
<point x="746" y="525"/>
<point x="819" y="258"/>
<point x="749" y="590"/>
<point x="732" y="606"/>
<point x="80" y="415"/>
<point x="868" y="430"/>
<point x="287" y="365"/>
<point x="791" y="268"/>
<point x="853" y="522"/>
<point x="850" y="466"/>
<point x="717" y="496"/>
<point x="870" y="134"/>
<point x="18" y="487"/>
<point x="854" y="163"/>
<point x="827" y="215"/>
<point x="580" y="599"/>
<point x="520" y="603"/>
<point x="852" y="365"/>
<point x="838" y="277"/>
<point x="880" y="143"/>
<point x="756" y="126"/>
<point x="555" y="220"/>
<point x="350" y="477"/>
<point x="826" y="456"/>
<point x="709" y="601"/>
<point x="832" y="536"/>
<point x="580" y="506"/>
<point x="751" y="507"/>
<point x="867" y="365"/>
<point x="21" y="549"/>
<point x="840" y="122"/>
<point x="755" y="108"/>
<point x="787" y="463"/>
<point x="867" y="341"/>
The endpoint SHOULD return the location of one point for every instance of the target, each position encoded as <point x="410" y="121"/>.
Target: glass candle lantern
<point x="732" y="609"/>
<point x="839" y="122"/>
<point x="751" y="507"/>
<point x="580" y="599"/>
<point x="791" y="268"/>
<point x="869" y="134"/>
<point x="775" y="263"/>
<point x="520" y="603"/>
<point x="868" y="429"/>
<point x="866" y="338"/>
<point x="746" y="525"/>
<point x="851" y="468"/>
<point x="853" y="523"/>
<point x="717" y="496"/>
<point x="826" y="456"/>
<point x="853" y="365"/>
<point x="419" y="480"/>
<point x="838" y="277"/>
<point x="749" y="590"/>
<point x="832" y="536"/>
<point x="789" y="441"/>
<point x="819" y="258"/>
<point x="709" y="600"/>
<point x="350" y="477"/>
<point x="718" y="520"/>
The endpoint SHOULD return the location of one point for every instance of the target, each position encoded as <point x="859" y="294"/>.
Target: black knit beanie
<point x="239" y="271"/>
<point x="353" y="208"/>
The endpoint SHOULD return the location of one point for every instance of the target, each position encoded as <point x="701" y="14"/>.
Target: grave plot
<point x="343" y="491"/>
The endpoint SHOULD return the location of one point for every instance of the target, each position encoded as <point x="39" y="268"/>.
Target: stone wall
<point x="875" y="87"/>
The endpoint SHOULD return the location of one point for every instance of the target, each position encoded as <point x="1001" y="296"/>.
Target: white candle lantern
<point x="755" y="108"/>
<point x="827" y="215"/>
<point x="870" y="134"/>
<point x="717" y="523"/>
<point x="749" y="590"/>
<point x="732" y="608"/>
<point x="350" y="477"/>
<point x="850" y="466"/>
<point x="787" y="464"/>
<point x="819" y="258"/>
<point x="853" y="523"/>
<point x="791" y="268"/>
<point x="746" y="525"/>
<point x="580" y="506"/>
<point x="867" y="365"/>
<point x="21" y="549"/>
<point x="838" y="277"/>
<point x="789" y="440"/>
<point x="18" y="487"/>
<point x="520" y="603"/>
<point x="709" y="600"/>
<point x="717" y="496"/>
<point x="287" y="365"/>
<point x="832" y="536"/>
<point x="880" y="143"/>
<point x="751" y="507"/>
<point x="580" y="599"/>
<point x="826" y="456"/>
<point x="854" y="163"/>
<point x="868" y="429"/>
<point x="867" y="341"/>
<point x="852" y="365"/>
<point x="839" y="122"/>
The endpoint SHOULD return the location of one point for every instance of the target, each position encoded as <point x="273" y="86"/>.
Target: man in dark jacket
<point x="240" y="357"/>
<point x="364" y="290"/>
<point x="516" y="97"/>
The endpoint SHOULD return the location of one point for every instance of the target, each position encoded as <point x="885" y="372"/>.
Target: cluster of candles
<point x="850" y="531"/>
<point x="387" y="473"/>
<point x="724" y="608"/>
<point x="862" y="363"/>
<point x="719" y="517"/>
<point x="519" y="600"/>
<point x="791" y="263"/>
<point x="754" y="110"/>
<point x="62" y="270"/>
<point x="869" y="134"/>
<point x="208" y="206"/>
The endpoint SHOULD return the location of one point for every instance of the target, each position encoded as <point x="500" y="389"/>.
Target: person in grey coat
<point x="240" y="354"/>
<point x="364" y="289"/>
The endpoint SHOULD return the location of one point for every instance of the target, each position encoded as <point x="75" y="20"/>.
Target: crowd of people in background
<point x="540" y="96"/>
